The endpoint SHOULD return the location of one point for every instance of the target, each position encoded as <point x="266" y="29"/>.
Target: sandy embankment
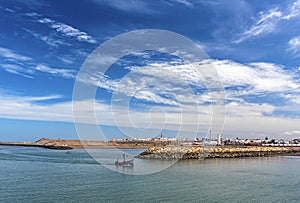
<point x="79" y="144"/>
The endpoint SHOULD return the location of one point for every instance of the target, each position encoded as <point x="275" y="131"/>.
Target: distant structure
<point x="219" y="138"/>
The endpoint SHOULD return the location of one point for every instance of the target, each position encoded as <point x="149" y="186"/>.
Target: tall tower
<point x="219" y="138"/>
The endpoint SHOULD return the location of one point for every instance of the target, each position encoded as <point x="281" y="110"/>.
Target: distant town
<point x="160" y="141"/>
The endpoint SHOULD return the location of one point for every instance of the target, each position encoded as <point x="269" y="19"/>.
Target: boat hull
<point x="128" y="163"/>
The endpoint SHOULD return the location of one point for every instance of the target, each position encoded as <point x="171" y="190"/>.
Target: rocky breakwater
<point x="202" y="152"/>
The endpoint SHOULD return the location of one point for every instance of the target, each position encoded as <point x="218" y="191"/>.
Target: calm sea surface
<point x="42" y="175"/>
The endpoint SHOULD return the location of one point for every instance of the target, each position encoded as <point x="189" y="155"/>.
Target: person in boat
<point x="124" y="162"/>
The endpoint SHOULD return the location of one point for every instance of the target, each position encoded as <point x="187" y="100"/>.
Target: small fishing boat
<point x="125" y="162"/>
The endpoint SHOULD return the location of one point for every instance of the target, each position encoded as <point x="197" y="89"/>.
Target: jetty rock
<point x="203" y="152"/>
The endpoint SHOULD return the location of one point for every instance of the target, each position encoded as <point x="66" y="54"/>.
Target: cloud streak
<point x="67" y="30"/>
<point x="239" y="80"/>
<point x="11" y="55"/>
<point x="256" y="77"/>
<point x="18" y="70"/>
<point x="252" y="119"/>
<point x="267" y="21"/>
<point x="294" y="45"/>
<point x="293" y="10"/>
<point x="50" y="40"/>
<point x="32" y="71"/>
<point x="26" y="67"/>
<point x="64" y="73"/>
<point x="129" y="6"/>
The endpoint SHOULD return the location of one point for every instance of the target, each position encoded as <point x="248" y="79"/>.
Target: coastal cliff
<point x="201" y="152"/>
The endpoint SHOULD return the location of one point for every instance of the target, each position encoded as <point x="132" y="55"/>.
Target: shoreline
<point x="33" y="144"/>
<point x="160" y="151"/>
<point x="76" y="144"/>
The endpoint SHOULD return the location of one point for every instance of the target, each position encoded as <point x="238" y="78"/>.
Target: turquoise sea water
<point x="42" y="175"/>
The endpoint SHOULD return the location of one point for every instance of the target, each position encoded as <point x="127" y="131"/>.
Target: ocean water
<point x="41" y="175"/>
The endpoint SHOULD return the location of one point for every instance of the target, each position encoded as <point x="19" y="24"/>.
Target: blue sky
<point x="254" y="46"/>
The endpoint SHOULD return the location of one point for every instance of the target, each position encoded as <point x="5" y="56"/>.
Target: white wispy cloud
<point x="145" y="7"/>
<point x="253" y="126"/>
<point x="27" y="67"/>
<point x="129" y="5"/>
<point x="18" y="70"/>
<point x="258" y="80"/>
<point x="293" y="10"/>
<point x="66" y="60"/>
<point x="50" y="40"/>
<point x="8" y="97"/>
<point x="73" y="32"/>
<point x="242" y="119"/>
<point x="186" y="3"/>
<point x="239" y="80"/>
<point x="294" y="45"/>
<point x="11" y="55"/>
<point x="256" y="77"/>
<point x="65" y="73"/>
<point x="168" y="87"/>
<point x="293" y="132"/>
<point x="294" y="98"/>
<point x="267" y="21"/>
<point x="24" y="107"/>
<point x="158" y="83"/>
<point x="242" y="109"/>
<point x="67" y="30"/>
<point x="10" y="10"/>
<point x="33" y="14"/>
<point x="45" y="20"/>
<point x="30" y="71"/>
